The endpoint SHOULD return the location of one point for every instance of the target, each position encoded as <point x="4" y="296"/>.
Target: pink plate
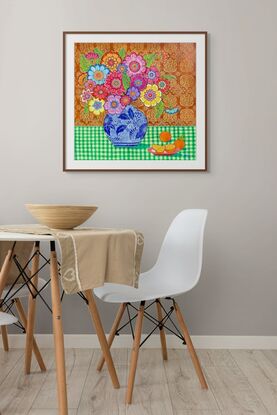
<point x="153" y="151"/>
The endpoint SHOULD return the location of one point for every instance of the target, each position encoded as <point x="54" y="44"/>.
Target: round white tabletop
<point x="6" y="319"/>
<point x="27" y="237"/>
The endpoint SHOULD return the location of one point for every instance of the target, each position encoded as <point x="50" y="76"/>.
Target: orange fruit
<point x="165" y="136"/>
<point x="179" y="143"/>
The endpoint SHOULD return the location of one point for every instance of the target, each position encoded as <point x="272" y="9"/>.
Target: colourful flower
<point x="111" y="60"/>
<point x="125" y="100"/>
<point x="135" y="64"/>
<point x="151" y="95"/>
<point x="138" y="81"/>
<point x="90" y="85"/>
<point x="100" y="91"/>
<point x="163" y="85"/>
<point x="91" y="55"/>
<point x="86" y="95"/>
<point x="122" y="68"/>
<point x="113" y="105"/>
<point x="152" y="74"/>
<point x="96" y="106"/>
<point x="98" y="74"/>
<point x="114" y="83"/>
<point x="133" y="93"/>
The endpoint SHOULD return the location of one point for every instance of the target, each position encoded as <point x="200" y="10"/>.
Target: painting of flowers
<point x="134" y="103"/>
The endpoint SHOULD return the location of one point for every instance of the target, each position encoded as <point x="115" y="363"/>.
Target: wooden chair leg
<point x="190" y="347"/>
<point x="5" y="269"/>
<point x="162" y="332"/>
<point x="101" y="336"/>
<point x="31" y="310"/>
<point x="23" y="319"/>
<point x="134" y="354"/>
<point x="114" y="328"/>
<point x="5" y="340"/>
<point x="58" y="332"/>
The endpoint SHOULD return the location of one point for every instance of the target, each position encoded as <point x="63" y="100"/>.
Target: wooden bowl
<point x="61" y="216"/>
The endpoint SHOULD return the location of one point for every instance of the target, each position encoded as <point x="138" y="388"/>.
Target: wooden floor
<point x="240" y="382"/>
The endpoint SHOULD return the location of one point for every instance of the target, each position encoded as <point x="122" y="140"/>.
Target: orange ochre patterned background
<point x="176" y="59"/>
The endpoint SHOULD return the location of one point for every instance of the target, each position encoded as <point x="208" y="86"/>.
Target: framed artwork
<point x="135" y="101"/>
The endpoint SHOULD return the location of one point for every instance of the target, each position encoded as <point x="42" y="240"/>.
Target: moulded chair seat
<point x="150" y="287"/>
<point x="178" y="266"/>
<point x="6" y="319"/>
<point x="20" y="290"/>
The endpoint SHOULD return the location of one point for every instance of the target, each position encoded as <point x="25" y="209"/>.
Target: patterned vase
<point x="126" y="129"/>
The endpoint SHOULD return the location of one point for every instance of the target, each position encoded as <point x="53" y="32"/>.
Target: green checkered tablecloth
<point x="91" y="143"/>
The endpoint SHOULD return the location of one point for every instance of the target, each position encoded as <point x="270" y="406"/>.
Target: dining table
<point x="55" y="274"/>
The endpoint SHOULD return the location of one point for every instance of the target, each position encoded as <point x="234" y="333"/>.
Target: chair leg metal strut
<point x="161" y="322"/>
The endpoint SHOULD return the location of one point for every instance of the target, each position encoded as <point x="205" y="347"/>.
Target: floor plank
<point x="199" y="412"/>
<point x="240" y="383"/>
<point x="37" y="411"/>
<point x="151" y="393"/>
<point x="77" y="364"/>
<point x="185" y="390"/>
<point x="7" y="361"/>
<point x="18" y="391"/>
<point x="260" y="368"/>
<point x="98" y="396"/>
<point x="231" y="388"/>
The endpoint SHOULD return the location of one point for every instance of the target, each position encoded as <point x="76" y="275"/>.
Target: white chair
<point x="176" y="271"/>
<point x="6" y="319"/>
<point x="12" y="295"/>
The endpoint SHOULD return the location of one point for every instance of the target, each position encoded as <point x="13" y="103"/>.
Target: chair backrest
<point x="180" y="257"/>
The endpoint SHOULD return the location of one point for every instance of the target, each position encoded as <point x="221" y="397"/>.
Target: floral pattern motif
<point x="157" y="79"/>
<point x="89" y="85"/>
<point x="114" y="83"/>
<point x="163" y="85"/>
<point x="135" y="64"/>
<point x="152" y="75"/>
<point x="100" y="91"/>
<point x="151" y="95"/>
<point x="139" y="82"/>
<point x="113" y="105"/>
<point x="86" y="95"/>
<point x="98" y="74"/>
<point x="96" y="106"/>
<point x="111" y="60"/>
<point x="125" y="100"/>
<point x="133" y="93"/>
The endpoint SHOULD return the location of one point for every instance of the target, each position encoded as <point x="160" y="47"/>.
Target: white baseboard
<point x="125" y="340"/>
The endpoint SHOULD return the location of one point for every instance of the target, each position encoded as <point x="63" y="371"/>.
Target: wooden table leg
<point x="162" y="333"/>
<point x="23" y="319"/>
<point x="3" y="279"/>
<point x="112" y="333"/>
<point x="101" y="336"/>
<point x="4" y="334"/>
<point x="58" y="332"/>
<point x="32" y="310"/>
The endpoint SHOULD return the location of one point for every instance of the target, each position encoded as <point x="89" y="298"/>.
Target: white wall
<point x="237" y="293"/>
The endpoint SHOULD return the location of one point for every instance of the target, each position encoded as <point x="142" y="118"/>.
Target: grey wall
<point x="237" y="293"/>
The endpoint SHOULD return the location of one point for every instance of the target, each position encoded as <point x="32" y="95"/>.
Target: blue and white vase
<point x="126" y="129"/>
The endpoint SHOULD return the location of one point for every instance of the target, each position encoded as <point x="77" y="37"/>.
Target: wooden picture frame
<point x="135" y="101"/>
